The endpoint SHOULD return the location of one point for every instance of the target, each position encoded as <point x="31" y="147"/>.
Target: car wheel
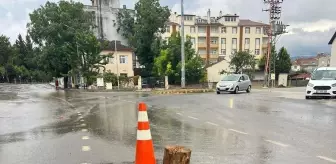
<point x="218" y="92"/>
<point x="248" y="89"/>
<point x="308" y="97"/>
<point x="236" y="90"/>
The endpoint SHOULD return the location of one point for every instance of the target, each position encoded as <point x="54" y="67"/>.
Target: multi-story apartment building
<point x="105" y="16"/>
<point x="216" y="38"/>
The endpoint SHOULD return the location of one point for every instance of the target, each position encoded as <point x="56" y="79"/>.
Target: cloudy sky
<point x="312" y="22"/>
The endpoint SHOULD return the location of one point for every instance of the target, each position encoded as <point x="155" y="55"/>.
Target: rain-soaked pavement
<point x="39" y="125"/>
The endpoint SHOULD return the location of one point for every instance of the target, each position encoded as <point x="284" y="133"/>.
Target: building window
<point x="234" y="51"/>
<point x="247" y="41"/>
<point x="223" y="30"/>
<point x="201" y="29"/>
<point x="257" y="43"/>
<point x="234" y="41"/>
<point x="192" y="40"/>
<point x="214" y="40"/>
<point x="188" y="18"/>
<point x="213" y="52"/>
<point x="202" y="51"/>
<point x="247" y="30"/>
<point x="201" y="40"/>
<point x="123" y="59"/>
<point x="223" y="41"/>
<point x="234" y="30"/>
<point x="257" y="52"/>
<point x="167" y="29"/>
<point x="214" y="29"/>
<point x="258" y="30"/>
<point x="123" y="74"/>
<point x="223" y="51"/>
<point x="192" y="29"/>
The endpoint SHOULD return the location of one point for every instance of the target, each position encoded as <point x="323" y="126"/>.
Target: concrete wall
<point x="333" y="55"/>
<point x="213" y="71"/>
<point x="115" y="66"/>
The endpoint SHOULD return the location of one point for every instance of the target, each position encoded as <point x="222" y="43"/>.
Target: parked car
<point x="234" y="83"/>
<point x="322" y="83"/>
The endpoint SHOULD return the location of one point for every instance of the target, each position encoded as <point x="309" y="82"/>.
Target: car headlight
<point x="310" y="85"/>
<point x="334" y="85"/>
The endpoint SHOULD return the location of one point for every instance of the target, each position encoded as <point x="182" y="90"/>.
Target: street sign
<point x="272" y="76"/>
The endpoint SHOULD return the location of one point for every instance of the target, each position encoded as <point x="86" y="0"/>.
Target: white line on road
<point x="277" y="143"/>
<point x="86" y="148"/>
<point x="83" y="124"/>
<point x="193" y="117"/>
<point x="179" y="114"/>
<point x="212" y="123"/>
<point x="237" y="131"/>
<point x="85" y="137"/>
<point x="82" y="120"/>
<point x="327" y="159"/>
<point x="79" y="114"/>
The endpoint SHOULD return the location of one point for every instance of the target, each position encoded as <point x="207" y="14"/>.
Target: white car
<point x="322" y="83"/>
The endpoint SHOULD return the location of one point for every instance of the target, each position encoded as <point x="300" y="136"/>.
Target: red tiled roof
<point x="247" y="22"/>
<point x="302" y="76"/>
<point x="306" y="61"/>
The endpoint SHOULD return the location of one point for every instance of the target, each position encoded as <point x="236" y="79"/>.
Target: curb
<point x="186" y="91"/>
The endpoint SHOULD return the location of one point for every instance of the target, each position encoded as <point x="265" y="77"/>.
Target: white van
<point x="322" y="83"/>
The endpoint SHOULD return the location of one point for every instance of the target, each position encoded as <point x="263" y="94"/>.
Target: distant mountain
<point x="297" y="57"/>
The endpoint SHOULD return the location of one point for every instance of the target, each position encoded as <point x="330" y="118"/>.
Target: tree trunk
<point x="66" y="82"/>
<point x="176" y="155"/>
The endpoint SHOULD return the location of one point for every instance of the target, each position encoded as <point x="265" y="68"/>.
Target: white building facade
<point x="332" y="42"/>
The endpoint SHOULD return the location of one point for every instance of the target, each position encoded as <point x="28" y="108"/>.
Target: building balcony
<point x="202" y="45"/>
<point x="203" y="56"/>
<point x="214" y="56"/>
<point x="264" y="45"/>
<point x="214" y="45"/>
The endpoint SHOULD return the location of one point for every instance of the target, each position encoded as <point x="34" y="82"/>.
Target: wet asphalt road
<point x="39" y="125"/>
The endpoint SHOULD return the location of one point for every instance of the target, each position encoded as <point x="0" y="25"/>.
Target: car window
<point x="246" y="77"/>
<point x="242" y="78"/>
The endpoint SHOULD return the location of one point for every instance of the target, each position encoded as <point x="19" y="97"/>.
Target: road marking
<point x="80" y="117"/>
<point x="237" y="131"/>
<point x="179" y="114"/>
<point x="231" y="103"/>
<point x="212" y="123"/>
<point x="79" y="114"/>
<point x="82" y="120"/>
<point x="277" y="143"/>
<point x="84" y="130"/>
<point x="85" y="137"/>
<point x="86" y="148"/>
<point x="83" y="124"/>
<point x="327" y="159"/>
<point x="193" y="117"/>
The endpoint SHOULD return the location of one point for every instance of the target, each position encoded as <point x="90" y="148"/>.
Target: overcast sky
<point x="312" y="22"/>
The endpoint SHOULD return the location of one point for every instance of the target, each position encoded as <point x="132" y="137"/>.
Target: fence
<point x="153" y="82"/>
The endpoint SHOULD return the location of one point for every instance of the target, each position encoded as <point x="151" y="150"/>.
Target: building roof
<point x="320" y="55"/>
<point x="332" y="39"/>
<point x="120" y="47"/>
<point x="172" y="23"/>
<point x="305" y="61"/>
<point x="247" y="22"/>
<point x="302" y="76"/>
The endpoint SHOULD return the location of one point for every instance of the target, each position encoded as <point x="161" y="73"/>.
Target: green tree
<point x="242" y="60"/>
<point x="60" y="29"/>
<point x="262" y="61"/>
<point x="141" y="29"/>
<point x="283" y="61"/>
<point x="169" y="61"/>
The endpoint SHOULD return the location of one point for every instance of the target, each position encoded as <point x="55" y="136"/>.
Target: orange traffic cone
<point x="144" y="145"/>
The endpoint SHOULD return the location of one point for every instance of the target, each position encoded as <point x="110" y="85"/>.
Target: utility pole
<point x="117" y="62"/>
<point x="274" y="29"/>
<point x="182" y="47"/>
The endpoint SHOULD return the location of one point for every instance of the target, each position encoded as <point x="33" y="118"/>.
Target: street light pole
<point x="115" y="51"/>
<point x="182" y="47"/>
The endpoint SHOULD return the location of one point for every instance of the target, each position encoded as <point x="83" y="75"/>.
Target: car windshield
<point x="324" y="75"/>
<point x="231" y="78"/>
